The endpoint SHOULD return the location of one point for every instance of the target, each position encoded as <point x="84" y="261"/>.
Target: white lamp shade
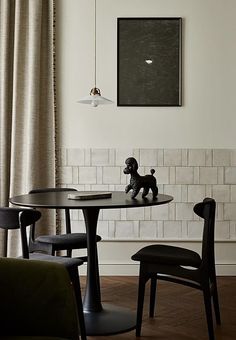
<point x="95" y="100"/>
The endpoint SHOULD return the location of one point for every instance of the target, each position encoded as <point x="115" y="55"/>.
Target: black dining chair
<point x="37" y="301"/>
<point x="183" y="266"/>
<point x="52" y="243"/>
<point x="17" y="218"/>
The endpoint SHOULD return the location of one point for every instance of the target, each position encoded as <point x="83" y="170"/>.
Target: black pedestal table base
<point x="111" y="320"/>
<point x="100" y="319"/>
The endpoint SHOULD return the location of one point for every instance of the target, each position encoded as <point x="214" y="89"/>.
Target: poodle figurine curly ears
<point x="137" y="182"/>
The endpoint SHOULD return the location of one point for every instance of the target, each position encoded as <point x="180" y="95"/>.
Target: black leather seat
<point x="52" y="243"/>
<point x="16" y="218"/>
<point x="183" y="266"/>
<point x="172" y="255"/>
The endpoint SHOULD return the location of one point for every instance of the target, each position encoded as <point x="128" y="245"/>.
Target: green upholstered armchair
<point x="37" y="301"/>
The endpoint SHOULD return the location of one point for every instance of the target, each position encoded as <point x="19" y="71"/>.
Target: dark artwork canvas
<point x="149" y="62"/>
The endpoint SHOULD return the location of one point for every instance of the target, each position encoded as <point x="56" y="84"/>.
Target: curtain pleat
<point x="27" y="102"/>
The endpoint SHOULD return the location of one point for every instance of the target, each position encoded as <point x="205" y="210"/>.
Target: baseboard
<point x="127" y="269"/>
<point x="115" y="256"/>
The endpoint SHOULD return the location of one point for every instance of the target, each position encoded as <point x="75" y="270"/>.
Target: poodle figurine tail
<point x="152" y="172"/>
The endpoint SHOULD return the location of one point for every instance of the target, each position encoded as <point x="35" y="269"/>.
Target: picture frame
<point x="149" y="61"/>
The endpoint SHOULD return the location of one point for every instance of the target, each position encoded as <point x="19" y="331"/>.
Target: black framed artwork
<point x="149" y="61"/>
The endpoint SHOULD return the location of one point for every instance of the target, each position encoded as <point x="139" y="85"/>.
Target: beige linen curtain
<point x="27" y="102"/>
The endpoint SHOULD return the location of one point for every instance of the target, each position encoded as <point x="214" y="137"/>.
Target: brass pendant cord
<point x="95" y="43"/>
<point x="95" y="97"/>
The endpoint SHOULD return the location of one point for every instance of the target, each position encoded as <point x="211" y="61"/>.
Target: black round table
<point x="100" y="319"/>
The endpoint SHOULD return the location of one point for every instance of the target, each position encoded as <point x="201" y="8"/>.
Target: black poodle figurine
<point x="137" y="182"/>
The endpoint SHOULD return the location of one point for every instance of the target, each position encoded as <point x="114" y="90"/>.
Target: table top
<point x="59" y="200"/>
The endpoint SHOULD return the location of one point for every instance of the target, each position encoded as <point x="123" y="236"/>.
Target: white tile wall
<point x="196" y="193"/>
<point x="195" y="229"/>
<point x="184" y="175"/>
<point x="233" y="193"/>
<point x="103" y="229"/>
<point x="148" y="157"/>
<point x="172" y="229"/>
<point x="176" y="191"/>
<point x="209" y="157"/>
<point x="233" y="157"/>
<point x="121" y="155"/>
<point x="196" y="157"/>
<point x="222" y="230"/>
<point x="221" y="193"/>
<point x="135" y="214"/>
<point x="172" y="157"/>
<point x="230" y="175"/>
<point x="100" y="157"/>
<point x="230" y="211"/>
<point x="160" y="212"/>
<point x="148" y="230"/>
<point x="162" y="174"/>
<point x="126" y="230"/>
<point x="87" y="175"/>
<point x="184" y="211"/>
<point x="188" y="175"/>
<point x="76" y="157"/>
<point x="208" y="175"/>
<point x="221" y="157"/>
<point x="111" y="175"/>
<point x="111" y="214"/>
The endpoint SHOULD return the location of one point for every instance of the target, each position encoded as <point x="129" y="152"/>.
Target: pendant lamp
<point x="95" y="97"/>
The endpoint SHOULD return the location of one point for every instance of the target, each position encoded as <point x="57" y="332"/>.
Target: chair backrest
<point x="37" y="299"/>
<point x="206" y="210"/>
<point x="17" y="218"/>
<point x="67" y="211"/>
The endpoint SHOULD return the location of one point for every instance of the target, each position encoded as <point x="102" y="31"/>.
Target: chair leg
<point x="69" y="253"/>
<point x="152" y="296"/>
<point x="216" y="300"/>
<point x="76" y="284"/>
<point x="50" y="250"/>
<point x="141" y="294"/>
<point x="208" y="309"/>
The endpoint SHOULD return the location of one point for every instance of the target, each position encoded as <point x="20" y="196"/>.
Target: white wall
<point x="207" y="118"/>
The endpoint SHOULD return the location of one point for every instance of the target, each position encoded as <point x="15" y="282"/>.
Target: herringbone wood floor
<point x="179" y="310"/>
